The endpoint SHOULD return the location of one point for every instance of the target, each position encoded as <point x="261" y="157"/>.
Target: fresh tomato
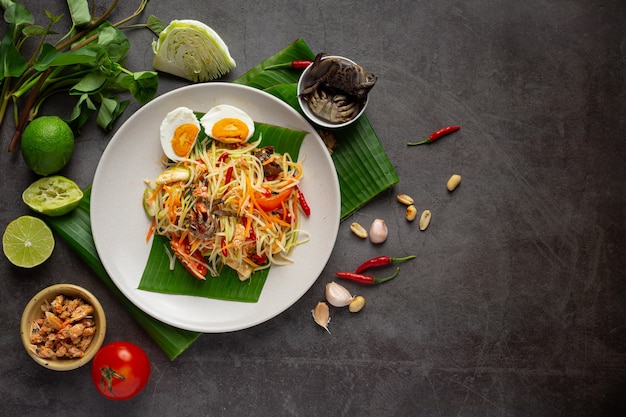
<point x="273" y="201"/>
<point x="120" y="370"/>
<point x="194" y="262"/>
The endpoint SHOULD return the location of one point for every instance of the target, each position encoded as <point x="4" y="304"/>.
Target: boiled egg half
<point x="228" y="124"/>
<point x="179" y="131"/>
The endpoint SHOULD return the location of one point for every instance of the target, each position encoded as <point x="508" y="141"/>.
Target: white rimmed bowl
<point x="306" y="79"/>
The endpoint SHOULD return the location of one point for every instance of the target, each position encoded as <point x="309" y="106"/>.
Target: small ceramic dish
<point x="305" y="80"/>
<point x="72" y="338"/>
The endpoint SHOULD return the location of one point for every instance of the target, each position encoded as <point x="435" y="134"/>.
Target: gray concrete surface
<point x="515" y="304"/>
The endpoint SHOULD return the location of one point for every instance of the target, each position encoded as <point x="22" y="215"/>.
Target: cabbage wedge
<point x="192" y="50"/>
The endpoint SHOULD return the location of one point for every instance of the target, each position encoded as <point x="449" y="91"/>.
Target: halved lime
<point x="27" y="241"/>
<point x="53" y="196"/>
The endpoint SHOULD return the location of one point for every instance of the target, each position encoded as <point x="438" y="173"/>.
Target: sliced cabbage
<point x="191" y="50"/>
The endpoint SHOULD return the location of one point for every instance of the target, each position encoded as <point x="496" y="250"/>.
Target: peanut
<point x="356" y="304"/>
<point x="411" y="213"/>
<point x="358" y="230"/>
<point x="453" y="182"/>
<point x="405" y="199"/>
<point x="425" y="219"/>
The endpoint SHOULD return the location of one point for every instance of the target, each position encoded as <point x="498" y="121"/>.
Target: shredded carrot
<point x="267" y="226"/>
<point x="250" y="262"/>
<point x="154" y="193"/>
<point x="281" y="222"/>
<point x="151" y="229"/>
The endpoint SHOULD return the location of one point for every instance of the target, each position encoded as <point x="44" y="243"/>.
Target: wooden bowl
<point x="33" y="311"/>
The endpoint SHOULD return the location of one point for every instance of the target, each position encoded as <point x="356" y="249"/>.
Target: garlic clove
<point x="337" y="295"/>
<point x="378" y="231"/>
<point x="321" y="315"/>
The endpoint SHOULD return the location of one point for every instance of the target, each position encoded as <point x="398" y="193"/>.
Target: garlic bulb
<point x="378" y="231"/>
<point x="321" y="315"/>
<point x="337" y="295"/>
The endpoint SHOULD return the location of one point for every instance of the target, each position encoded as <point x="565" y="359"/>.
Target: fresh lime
<point x="47" y="144"/>
<point x="53" y="196"/>
<point x="27" y="241"/>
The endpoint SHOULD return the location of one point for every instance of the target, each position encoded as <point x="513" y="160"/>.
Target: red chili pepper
<point x="229" y="175"/>
<point x="380" y="261"/>
<point x="224" y="250"/>
<point x="366" y="279"/>
<point x="221" y="158"/>
<point x="303" y="203"/>
<point x="297" y="64"/>
<point x="436" y="135"/>
<point x="259" y="259"/>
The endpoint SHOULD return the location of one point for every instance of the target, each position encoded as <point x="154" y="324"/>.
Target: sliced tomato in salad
<point x="272" y="201"/>
<point x="193" y="262"/>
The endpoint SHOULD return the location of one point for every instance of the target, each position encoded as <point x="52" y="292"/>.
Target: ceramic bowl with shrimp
<point x="333" y="91"/>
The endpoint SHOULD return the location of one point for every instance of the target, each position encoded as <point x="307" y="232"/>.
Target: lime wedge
<point x="27" y="241"/>
<point x="191" y="50"/>
<point x="53" y="196"/>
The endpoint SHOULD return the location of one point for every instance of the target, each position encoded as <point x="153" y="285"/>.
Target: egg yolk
<point x="184" y="138"/>
<point x="230" y="129"/>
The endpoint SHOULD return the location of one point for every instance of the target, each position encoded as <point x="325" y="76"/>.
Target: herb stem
<point x="24" y="117"/>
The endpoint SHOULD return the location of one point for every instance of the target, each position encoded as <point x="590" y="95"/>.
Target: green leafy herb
<point x="87" y="62"/>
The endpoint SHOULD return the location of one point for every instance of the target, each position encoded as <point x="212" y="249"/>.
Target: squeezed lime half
<point x="53" y="196"/>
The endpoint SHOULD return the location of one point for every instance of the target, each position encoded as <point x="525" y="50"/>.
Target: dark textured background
<point x="515" y="304"/>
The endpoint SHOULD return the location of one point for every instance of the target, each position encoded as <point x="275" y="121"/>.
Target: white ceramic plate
<point x="119" y="223"/>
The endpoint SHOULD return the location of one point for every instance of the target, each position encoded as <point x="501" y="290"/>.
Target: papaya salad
<point x="222" y="199"/>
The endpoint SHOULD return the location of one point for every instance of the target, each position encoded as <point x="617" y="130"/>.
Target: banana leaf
<point x="363" y="168"/>
<point x="75" y="229"/>
<point x="157" y="275"/>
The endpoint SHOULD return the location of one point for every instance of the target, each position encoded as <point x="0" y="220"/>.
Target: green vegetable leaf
<point x="144" y="86"/>
<point x="50" y="57"/>
<point x="91" y="83"/>
<point x="79" y="11"/>
<point x="18" y="14"/>
<point x="12" y="63"/>
<point x="110" y="109"/>
<point x="155" y="24"/>
<point x="113" y="41"/>
<point x="53" y="18"/>
<point x="83" y="108"/>
<point x="36" y="30"/>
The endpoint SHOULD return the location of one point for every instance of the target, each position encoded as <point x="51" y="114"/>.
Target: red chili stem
<point x="297" y="64"/>
<point x="366" y="279"/>
<point x="436" y="135"/>
<point x="380" y="261"/>
<point x="303" y="203"/>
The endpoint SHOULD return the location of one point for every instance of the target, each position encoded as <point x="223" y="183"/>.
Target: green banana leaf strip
<point x="363" y="168"/>
<point x="75" y="229"/>
<point x="157" y="275"/>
